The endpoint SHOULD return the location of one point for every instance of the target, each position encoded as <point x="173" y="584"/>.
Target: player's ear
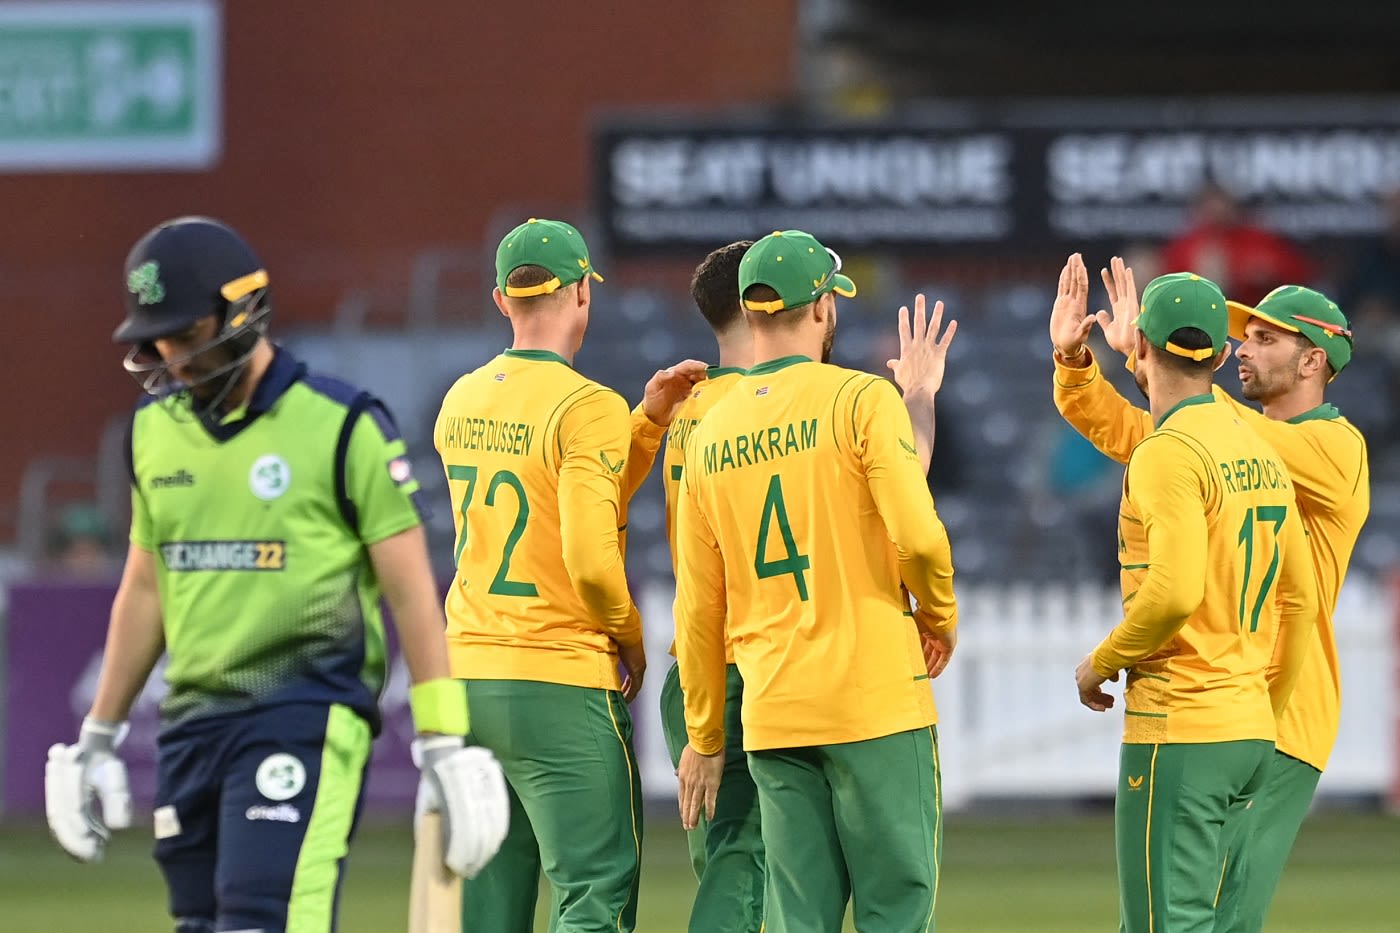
<point x="1312" y="360"/>
<point x="1221" y="357"/>
<point x="500" y="300"/>
<point x="585" y="292"/>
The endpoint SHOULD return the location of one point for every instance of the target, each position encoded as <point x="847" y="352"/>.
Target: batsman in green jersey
<point x="271" y="509"/>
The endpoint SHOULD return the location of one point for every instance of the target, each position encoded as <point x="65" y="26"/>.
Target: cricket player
<point x="803" y="509"/>
<point x="1219" y="604"/>
<point x="271" y="508"/>
<point x="539" y="614"/>
<point x="727" y="851"/>
<point x="1293" y="344"/>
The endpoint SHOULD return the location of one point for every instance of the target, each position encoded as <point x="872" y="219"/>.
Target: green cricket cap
<point x="1302" y="311"/>
<point x="794" y="265"/>
<point x="1184" y="299"/>
<point x="550" y="244"/>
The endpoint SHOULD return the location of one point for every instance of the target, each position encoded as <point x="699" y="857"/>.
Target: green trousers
<point x="726" y="852"/>
<point x="1256" y="853"/>
<point x="1174" y="808"/>
<point x="575" y="808"/>
<point x="859" y="821"/>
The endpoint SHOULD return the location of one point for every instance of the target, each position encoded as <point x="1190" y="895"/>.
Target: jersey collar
<point x="280" y="375"/>
<point x="714" y="372"/>
<point x="1184" y="403"/>
<point x="772" y="366"/>
<point x="1324" y="412"/>
<point x="548" y="355"/>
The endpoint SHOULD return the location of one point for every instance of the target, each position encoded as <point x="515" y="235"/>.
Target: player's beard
<point x="1140" y="380"/>
<point x="829" y="337"/>
<point x="1267" y="385"/>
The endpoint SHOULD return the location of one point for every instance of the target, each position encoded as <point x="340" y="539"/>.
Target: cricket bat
<point x="435" y="894"/>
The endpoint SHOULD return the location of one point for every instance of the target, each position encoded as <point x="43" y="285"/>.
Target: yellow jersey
<point x="803" y="507"/>
<point x="1219" y="598"/>
<point x="1326" y="458"/>
<point x="534" y="454"/>
<point x="646" y="441"/>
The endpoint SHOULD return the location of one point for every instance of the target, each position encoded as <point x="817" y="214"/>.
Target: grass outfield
<point x="1053" y="875"/>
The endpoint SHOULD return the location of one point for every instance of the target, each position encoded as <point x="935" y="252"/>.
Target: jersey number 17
<point x="1254" y="521"/>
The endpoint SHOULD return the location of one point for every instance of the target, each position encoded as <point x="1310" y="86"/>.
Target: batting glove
<point x="467" y="786"/>
<point x="79" y="777"/>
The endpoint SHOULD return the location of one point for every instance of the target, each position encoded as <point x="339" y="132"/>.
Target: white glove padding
<point x="467" y="787"/>
<point x="76" y="778"/>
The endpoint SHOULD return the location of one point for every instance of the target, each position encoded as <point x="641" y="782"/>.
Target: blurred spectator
<point x="1073" y="482"/>
<point x="81" y="545"/>
<point x="1244" y="259"/>
<point x="1369" y="392"/>
<point x="1371" y="296"/>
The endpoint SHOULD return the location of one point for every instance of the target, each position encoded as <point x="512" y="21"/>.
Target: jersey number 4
<point x="1254" y="520"/>
<point x="501" y="584"/>
<point x="792" y="562"/>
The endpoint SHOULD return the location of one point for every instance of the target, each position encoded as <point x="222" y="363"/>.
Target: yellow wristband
<point x="439" y="706"/>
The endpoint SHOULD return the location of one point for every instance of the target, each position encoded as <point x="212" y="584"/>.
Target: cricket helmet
<point x="181" y="271"/>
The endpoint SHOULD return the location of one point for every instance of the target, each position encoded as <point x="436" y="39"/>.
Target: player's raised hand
<point x="1070" y="322"/>
<point x="1120" y="323"/>
<point x="699" y="776"/>
<point x="668" y="388"/>
<point x="1090" y="683"/>
<point x="923" y="352"/>
<point x="76" y="779"/>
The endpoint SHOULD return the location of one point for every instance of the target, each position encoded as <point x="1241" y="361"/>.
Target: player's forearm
<point x="921" y="415"/>
<point x="405" y="575"/>
<point x="1294" y="639"/>
<point x="1163" y="603"/>
<point x="135" y="640"/>
<point x="438" y="703"/>
<point x="929" y="576"/>
<point x="593" y="559"/>
<point x="646" y="441"/>
<point x="1299" y="607"/>
<point x="1093" y="407"/>
<point x="920" y="542"/>
<point x="700" y="656"/>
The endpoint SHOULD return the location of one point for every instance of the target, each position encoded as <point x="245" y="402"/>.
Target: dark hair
<point x="715" y="285"/>
<point x="528" y="276"/>
<point x="1189" y="338"/>
<point x="760" y="292"/>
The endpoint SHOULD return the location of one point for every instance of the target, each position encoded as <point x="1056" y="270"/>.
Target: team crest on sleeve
<point x="280" y="776"/>
<point x="400" y="470"/>
<point x="269" y="477"/>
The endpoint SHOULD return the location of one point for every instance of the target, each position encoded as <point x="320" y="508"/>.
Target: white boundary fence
<point x="1010" y="723"/>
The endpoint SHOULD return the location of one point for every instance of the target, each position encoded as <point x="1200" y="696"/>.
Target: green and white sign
<point x="97" y="86"/>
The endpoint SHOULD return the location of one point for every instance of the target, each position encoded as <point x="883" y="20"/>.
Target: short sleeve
<point x="379" y="480"/>
<point x="142" y="533"/>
